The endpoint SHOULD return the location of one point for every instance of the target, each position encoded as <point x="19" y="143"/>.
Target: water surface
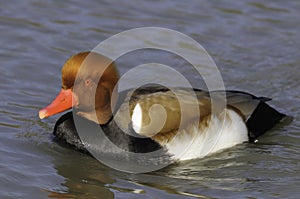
<point x="254" y="43"/>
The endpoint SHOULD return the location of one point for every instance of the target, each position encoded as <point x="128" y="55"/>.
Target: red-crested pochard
<point x="244" y="119"/>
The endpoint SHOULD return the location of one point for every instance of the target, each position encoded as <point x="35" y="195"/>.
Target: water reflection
<point x="82" y="175"/>
<point x="196" y="179"/>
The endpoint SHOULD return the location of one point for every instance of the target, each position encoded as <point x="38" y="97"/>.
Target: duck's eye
<point x="88" y="82"/>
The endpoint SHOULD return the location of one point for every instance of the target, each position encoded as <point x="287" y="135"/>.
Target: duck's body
<point x="244" y="118"/>
<point x="248" y="118"/>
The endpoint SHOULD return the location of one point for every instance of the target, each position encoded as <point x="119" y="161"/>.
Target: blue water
<point x="255" y="45"/>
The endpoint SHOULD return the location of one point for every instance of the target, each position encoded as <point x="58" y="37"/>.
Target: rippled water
<point x="254" y="43"/>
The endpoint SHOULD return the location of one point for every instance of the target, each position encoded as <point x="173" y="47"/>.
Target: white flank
<point x="220" y="134"/>
<point x="136" y="118"/>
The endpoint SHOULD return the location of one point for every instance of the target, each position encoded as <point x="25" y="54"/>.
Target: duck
<point x="148" y="118"/>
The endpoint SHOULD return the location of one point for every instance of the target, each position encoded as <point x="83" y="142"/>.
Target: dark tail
<point x="262" y="119"/>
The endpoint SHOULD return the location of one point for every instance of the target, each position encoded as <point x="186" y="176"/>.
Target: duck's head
<point x="89" y="85"/>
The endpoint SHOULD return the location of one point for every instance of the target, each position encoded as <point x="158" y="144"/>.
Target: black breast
<point x="66" y="132"/>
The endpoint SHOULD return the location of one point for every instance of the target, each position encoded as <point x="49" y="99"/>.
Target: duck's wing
<point x="144" y="109"/>
<point x="155" y="109"/>
<point x="162" y="112"/>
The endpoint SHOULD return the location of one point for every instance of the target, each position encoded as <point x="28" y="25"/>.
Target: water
<point x="254" y="43"/>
